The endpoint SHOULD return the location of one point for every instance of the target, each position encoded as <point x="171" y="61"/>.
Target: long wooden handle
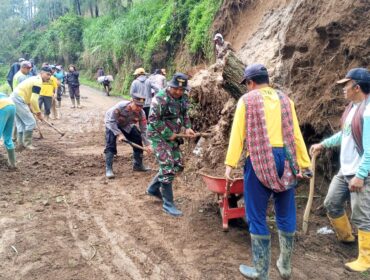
<point x="134" y="144"/>
<point x="307" y="211"/>
<point x="202" y="134"/>
<point x="53" y="127"/>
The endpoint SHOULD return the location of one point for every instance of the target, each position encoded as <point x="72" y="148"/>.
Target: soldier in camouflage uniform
<point x="168" y="114"/>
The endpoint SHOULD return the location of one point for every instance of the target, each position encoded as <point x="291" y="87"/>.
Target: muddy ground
<point x="61" y="219"/>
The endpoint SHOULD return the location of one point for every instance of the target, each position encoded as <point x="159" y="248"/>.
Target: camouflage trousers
<point x="169" y="158"/>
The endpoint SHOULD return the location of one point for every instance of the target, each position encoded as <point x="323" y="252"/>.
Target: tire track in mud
<point x="139" y="249"/>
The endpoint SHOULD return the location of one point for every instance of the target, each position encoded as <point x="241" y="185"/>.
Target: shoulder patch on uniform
<point x="36" y="89"/>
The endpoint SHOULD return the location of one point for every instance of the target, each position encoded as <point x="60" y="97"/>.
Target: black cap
<point x="356" y="74"/>
<point x="179" y="80"/>
<point x="254" y="70"/>
<point x="46" y="69"/>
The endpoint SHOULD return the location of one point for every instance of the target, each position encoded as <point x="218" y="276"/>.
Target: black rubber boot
<point x="154" y="188"/>
<point x="109" y="165"/>
<point x="168" y="204"/>
<point x="138" y="162"/>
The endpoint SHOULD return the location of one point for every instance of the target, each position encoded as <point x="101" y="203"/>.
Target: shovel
<point x="201" y="134"/>
<point x="310" y="196"/>
<point x="53" y="127"/>
<point x="133" y="144"/>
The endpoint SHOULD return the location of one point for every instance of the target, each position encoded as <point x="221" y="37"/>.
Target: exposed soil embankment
<point x="306" y="46"/>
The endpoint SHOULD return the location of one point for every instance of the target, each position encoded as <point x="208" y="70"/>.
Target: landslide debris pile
<point x="306" y="46"/>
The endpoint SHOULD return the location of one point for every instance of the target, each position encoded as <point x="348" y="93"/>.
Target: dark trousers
<point x="146" y="110"/>
<point x="46" y="100"/>
<point x="74" y="92"/>
<point x="111" y="140"/>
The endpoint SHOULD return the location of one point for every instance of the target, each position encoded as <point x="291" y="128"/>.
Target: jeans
<point x="338" y="194"/>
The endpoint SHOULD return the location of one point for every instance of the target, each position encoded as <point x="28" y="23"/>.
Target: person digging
<point x="352" y="183"/>
<point x="120" y="123"/>
<point x="168" y="115"/>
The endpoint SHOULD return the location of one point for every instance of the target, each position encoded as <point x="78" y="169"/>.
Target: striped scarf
<point x="259" y="147"/>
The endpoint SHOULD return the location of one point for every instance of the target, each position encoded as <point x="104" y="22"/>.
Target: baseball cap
<point x="356" y="74"/>
<point x="254" y="70"/>
<point x="21" y="59"/>
<point x="26" y="64"/>
<point x="139" y="71"/>
<point x="179" y="80"/>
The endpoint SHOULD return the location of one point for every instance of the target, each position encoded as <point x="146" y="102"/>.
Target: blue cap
<point x="179" y="80"/>
<point x="254" y="70"/>
<point x="356" y="74"/>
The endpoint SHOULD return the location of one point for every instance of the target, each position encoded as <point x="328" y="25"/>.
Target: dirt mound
<point x="306" y="47"/>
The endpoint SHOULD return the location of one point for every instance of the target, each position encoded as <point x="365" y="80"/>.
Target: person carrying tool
<point x="7" y="115"/>
<point x="168" y="114"/>
<point x="352" y="183"/>
<point x="265" y="119"/>
<point x="120" y="123"/>
<point x="25" y="97"/>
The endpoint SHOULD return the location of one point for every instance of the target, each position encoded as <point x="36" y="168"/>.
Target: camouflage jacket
<point x="167" y="115"/>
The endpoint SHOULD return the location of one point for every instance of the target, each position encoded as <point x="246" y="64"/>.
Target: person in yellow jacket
<point x="7" y="115"/>
<point x="48" y="93"/>
<point x="25" y="97"/>
<point x="266" y="121"/>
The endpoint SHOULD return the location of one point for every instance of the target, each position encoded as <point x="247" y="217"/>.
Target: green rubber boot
<point x="11" y="158"/>
<point x="286" y="241"/>
<point x="27" y="140"/>
<point x="261" y="253"/>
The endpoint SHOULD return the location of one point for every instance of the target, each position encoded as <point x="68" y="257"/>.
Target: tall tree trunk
<point x="78" y="7"/>
<point x="96" y="9"/>
<point x="91" y="9"/>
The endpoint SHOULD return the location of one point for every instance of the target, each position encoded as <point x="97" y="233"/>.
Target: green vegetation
<point x="117" y="36"/>
<point x="60" y="43"/>
<point x="201" y="18"/>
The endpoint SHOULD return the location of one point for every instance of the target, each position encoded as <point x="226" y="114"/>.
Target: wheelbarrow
<point x="223" y="191"/>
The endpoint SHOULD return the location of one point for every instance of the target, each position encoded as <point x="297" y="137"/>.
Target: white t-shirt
<point x="349" y="157"/>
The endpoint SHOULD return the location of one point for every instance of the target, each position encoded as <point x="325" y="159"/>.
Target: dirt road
<point x="61" y="219"/>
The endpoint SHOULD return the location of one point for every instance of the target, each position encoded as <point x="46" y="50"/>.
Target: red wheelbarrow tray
<point x="218" y="185"/>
